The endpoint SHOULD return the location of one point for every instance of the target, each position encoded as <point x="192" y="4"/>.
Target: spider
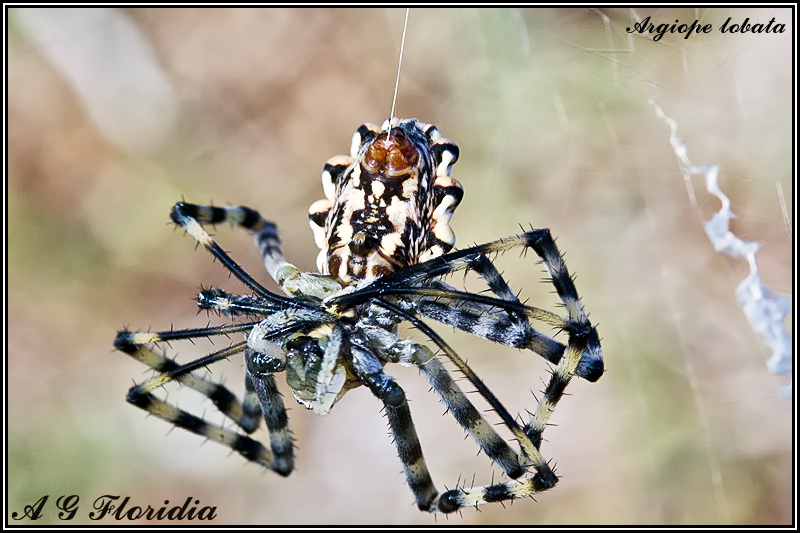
<point x="385" y="240"/>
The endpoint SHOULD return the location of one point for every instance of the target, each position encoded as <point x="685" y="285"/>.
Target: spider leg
<point x="582" y="335"/>
<point x="142" y="397"/>
<point x="409" y="353"/>
<point x="274" y="411"/>
<point x="504" y="327"/>
<point x="428" y="499"/>
<point x="251" y="406"/>
<point x="510" y="328"/>
<point x="529" y="436"/>
<point x="370" y="370"/>
<point x="136" y="345"/>
<point x="466" y="414"/>
<point x="190" y="217"/>
<point x="559" y="380"/>
<point x="410" y="280"/>
<point x="543" y="480"/>
<point x="583" y="338"/>
<point x="293" y="282"/>
<point x="261" y="396"/>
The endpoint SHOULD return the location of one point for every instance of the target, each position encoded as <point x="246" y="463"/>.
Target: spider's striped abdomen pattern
<point x="385" y="239"/>
<point x="389" y="204"/>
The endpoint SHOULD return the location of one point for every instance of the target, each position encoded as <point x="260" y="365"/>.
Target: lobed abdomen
<point x="388" y="205"/>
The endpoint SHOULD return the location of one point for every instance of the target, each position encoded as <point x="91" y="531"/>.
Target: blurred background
<point x="114" y="115"/>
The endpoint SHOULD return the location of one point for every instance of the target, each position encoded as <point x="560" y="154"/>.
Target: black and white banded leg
<point x="370" y="370"/>
<point x="510" y="328"/>
<point x="464" y="412"/>
<point x="292" y="281"/>
<point x="457" y="403"/>
<point x="583" y="344"/>
<point x="470" y="311"/>
<point x="582" y="335"/>
<point x="418" y="477"/>
<point x="246" y="415"/>
<point x="261" y="396"/>
<point x="545" y="477"/>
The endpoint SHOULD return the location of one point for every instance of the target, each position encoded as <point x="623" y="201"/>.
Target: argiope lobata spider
<point x="384" y="235"/>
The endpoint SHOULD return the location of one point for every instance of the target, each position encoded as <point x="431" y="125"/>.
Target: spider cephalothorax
<point x="384" y="234"/>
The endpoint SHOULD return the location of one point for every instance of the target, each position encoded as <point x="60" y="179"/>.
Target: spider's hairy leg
<point x="235" y="305"/>
<point x="541" y="241"/>
<point x="191" y="217"/>
<point x="251" y="405"/>
<point x="591" y="366"/>
<point x="556" y="386"/>
<point x="504" y="327"/>
<point x="141" y="396"/>
<point x="137" y="346"/>
<point x="250" y="449"/>
<point x="457" y="403"/>
<point x="544" y="478"/>
<point x="584" y="342"/>
<point x="466" y="414"/>
<point x="474" y="496"/>
<point x="267" y="354"/>
<point x="370" y="370"/>
<point x="265" y="233"/>
<point x="272" y="407"/>
<point x="409" y="281"/>
<point x="470" y="419"/>
<point x="583" y="339"/>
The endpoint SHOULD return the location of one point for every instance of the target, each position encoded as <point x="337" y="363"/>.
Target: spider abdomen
<point x="389" y="205"/>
